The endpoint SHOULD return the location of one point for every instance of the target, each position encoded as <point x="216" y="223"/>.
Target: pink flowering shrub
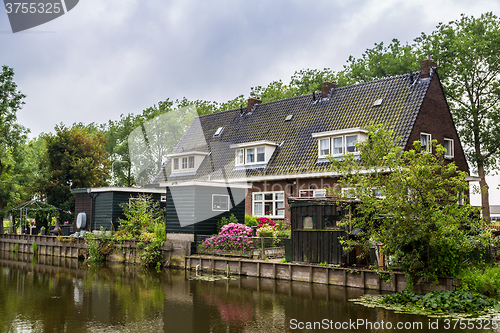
<point x="264" y="221"/>
<point x="232" y="236"/>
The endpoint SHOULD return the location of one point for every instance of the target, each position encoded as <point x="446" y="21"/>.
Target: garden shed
<point x="101" y="205"/>
<point x="196" y="207"/>
<point x="316" y="235"/>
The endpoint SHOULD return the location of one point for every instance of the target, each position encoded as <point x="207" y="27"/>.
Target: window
<point x="255" y="152"/>
<point x="338" y="145"/>
<point x="425" y="141"/>
<point x="261" y="154"/>
<point x="250" y="155"/>
<point x="448" y="146"/>
<point x="240" y="156"/>
<point x="311" y="193"/>
<point x="220" y="202"/>
<point x="187" y="161"/>
<point x="339" y="142"/>
<point x="324" y="147"/>
<point x="351" y="143"/>
<point x="218" y="132"/>
<point x="269" y="204"/>
<point x="307" y="222"/>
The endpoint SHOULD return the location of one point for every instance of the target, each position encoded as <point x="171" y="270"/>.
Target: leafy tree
<point x="76" y="159"/>
<point x="302" y="82"/>
<point x="12" y="135"/>
<point x="381" y="61"/>
<point x="409" y="201"/>
<point x="467" y="53"/>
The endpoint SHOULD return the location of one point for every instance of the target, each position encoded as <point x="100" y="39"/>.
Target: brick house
<point x="276" y="150"/>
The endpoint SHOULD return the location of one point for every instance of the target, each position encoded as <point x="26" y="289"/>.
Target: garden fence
<point x="242" y="246"/>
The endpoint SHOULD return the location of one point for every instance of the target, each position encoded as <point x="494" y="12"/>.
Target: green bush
<point x="484" y="280"/>
<point x="152" y="255"/>
<point x="283" y="233"/>
<point x="225" y="220"/>
<point x="250" y="221"/>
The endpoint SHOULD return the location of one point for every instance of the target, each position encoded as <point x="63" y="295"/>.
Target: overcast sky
<point x="110" y="57"/>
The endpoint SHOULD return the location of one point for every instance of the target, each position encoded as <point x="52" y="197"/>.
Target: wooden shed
<point x="316" y="235"/>
<point x="101" y="205"/>
<point x="196" y="207"/>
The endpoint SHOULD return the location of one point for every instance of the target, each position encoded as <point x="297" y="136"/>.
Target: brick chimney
<point x="425" y="67"/>
<point x="252" y="101"/>
<point x="326" y="87"/>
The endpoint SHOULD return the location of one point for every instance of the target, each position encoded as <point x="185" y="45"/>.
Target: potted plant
<point x="42" y="231"/>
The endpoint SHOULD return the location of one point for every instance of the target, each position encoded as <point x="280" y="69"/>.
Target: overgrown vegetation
<point x="483" y="279"/>
<point x="410" y="202"/>
<point x="442" y="302"/>
<point x="98" y="245"/>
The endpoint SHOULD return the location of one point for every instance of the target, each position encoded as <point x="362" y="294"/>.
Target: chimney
<point x="425" y="67"/>
<point x="252" y="101"/>
<point x="326" y="87"/>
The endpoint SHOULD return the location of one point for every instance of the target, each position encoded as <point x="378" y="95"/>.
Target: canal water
<point x="48" y="294"/>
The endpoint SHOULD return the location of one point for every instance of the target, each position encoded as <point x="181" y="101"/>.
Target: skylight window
<point x="218" y="132"/>
<point x="378" y="102"/>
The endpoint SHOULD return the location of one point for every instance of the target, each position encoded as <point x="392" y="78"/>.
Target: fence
<point x="242" y="246"/>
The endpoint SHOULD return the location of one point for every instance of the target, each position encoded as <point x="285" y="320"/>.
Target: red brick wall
<point x="291" y="187"/>
<point x="435" y="118"/>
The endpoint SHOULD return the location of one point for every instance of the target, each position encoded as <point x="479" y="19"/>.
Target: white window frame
<point x="187" y="161"/>
<point x="316" y="193"/>
<point x="250" y="155"/>
<point x="427" y="147"/>
<point x="253" y="153"/>
<point x="342" y="136"/>
<point x="277" y="212"/>
<point x="221" y="208"/>
<point x="449" y="154"/>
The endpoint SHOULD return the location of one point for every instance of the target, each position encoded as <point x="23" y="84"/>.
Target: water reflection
<point x="64" y="295"/>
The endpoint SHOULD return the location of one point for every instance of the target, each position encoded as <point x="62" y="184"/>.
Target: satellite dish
<point x="81" y="220"/>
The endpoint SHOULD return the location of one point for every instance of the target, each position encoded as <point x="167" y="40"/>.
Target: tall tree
<point x="12" y="135"/>
<point x="408" y="201"/>
<point x="467" y="54"/>
<point x="76" y="159"/>
<point x="381" y="61"/>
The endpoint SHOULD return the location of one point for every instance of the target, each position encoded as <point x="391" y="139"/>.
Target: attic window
<point x="289" y="117"/>
<point x="218" y="132"/>
<point x="378" y="102"/>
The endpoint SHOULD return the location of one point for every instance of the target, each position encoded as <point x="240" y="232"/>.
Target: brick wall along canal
<point x="49" y="294"/>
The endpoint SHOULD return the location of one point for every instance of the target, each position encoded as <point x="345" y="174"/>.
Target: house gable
<point x="434" y="118"/>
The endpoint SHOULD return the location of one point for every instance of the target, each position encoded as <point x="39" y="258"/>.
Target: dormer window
<point x="337" y="143"/>
<point x="186" y="161"/>
<point x="253" y="153"/>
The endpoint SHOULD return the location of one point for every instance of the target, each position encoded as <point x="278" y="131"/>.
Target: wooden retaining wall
<point x="346" y="277"/>
<point x="75" y="247"/>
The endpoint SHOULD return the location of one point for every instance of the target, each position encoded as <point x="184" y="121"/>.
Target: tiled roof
<point x="297" y="153"/>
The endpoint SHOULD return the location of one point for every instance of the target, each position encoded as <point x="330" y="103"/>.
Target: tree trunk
<point x="484" y="190"/>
